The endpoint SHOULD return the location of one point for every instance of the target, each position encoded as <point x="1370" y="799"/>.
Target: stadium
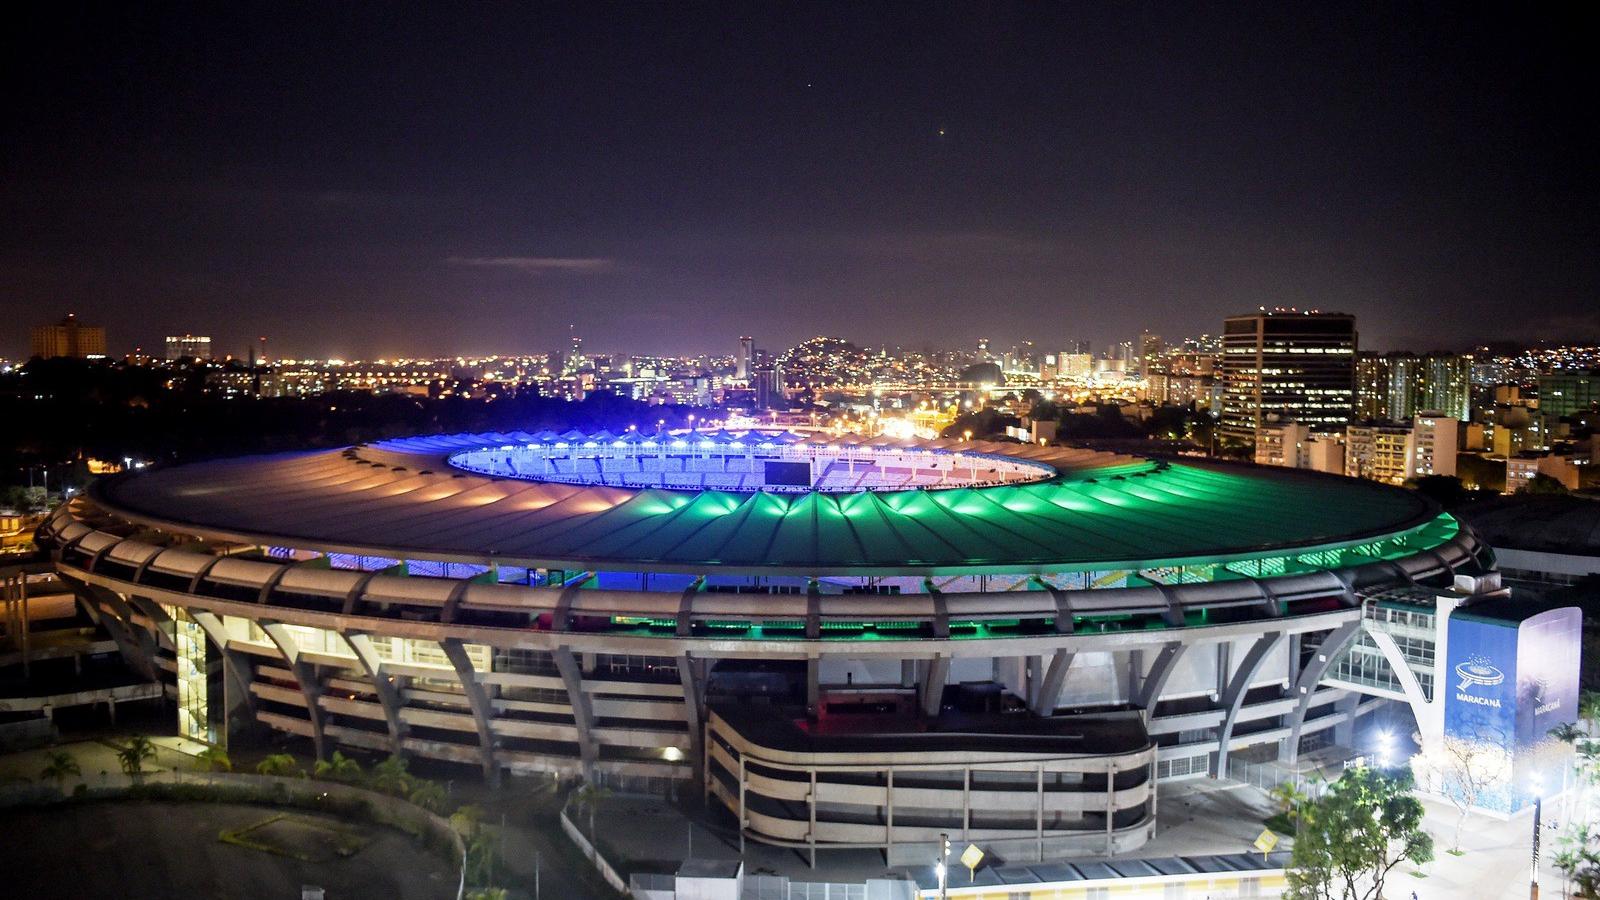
<point x="844" y="642"/>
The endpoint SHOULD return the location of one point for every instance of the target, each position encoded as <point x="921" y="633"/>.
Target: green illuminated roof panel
<point x="1102" y="512"/>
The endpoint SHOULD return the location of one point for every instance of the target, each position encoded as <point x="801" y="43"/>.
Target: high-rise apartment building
<point x="1569" y="393"/>
<point x="1372" y="387"/>
<point x="188" y="346"/>
<point x="1449" y="385"/>
<point x="68" y="338"/>
<point x="1395" y="387"/>
<point x="1289" y="366"/>
<point x="1378" y="452"/>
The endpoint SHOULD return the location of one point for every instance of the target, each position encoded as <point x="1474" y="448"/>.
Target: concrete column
<point x="383" y="685"/>
<point x="1111" y="807"/>
<point x="237" y="671"/>
<point x="1039" y="811"/>
<point x="933" y="685"/>
<point x="1344" y="732"/>
<point x="888" y="800"/>
<point x="1049" y="690"/>
<point x="1305" y="685"/>
<point x="813" y="688"/>
<point x="1031" y="676"/>
<point x="478" y="701"/>
<point x="1156" y="680"/>
<point x="693" y="699"/>
<point x="583" y="710"/>
<point x="811" y="810"/>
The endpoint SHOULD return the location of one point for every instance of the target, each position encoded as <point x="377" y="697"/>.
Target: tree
<point x="588" y="796"/>
<point x="1579" y="860"/>
<point x="1568" y="733"/>
<point x="213" y="759"/>
<point x="133" y="756"/>
<point x="1445" y="490"/>
<point x="1542" y="485"/>
<point x="281" y="765"/>
<point x="391" y="777"/>
<point x="1353" y="836"/>
<point x="1469" y="767"/>
<point x="59" y="766"/>
<point x="338" y="767"/>
<point x="427" y="794"/>
<point x="466" y="819"/>
<point x="1290" y="798"/>
<point x="1589" y="705"/>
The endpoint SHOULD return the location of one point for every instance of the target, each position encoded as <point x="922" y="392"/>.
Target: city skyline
<point x="423" y="183"/>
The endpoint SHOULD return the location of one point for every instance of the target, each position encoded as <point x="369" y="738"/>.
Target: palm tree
<point x="132" y="757"/>
<point x="213" y="759"/>
<point x="281" y="765"/>
<point x="427" y="794"/>
<point x="60" y="766"/>
<point x="1568" y="733"/>
<point x="465" y="820"/>
<point x="480" y="858"/>
<point x="588" y="796"/>
<point x="391" y="777"/>
<point x="339" y="768"/>
<point x="1290" y="798"/>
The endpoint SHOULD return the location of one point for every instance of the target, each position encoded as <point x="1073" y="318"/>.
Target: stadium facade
<point x="845" y="642"/>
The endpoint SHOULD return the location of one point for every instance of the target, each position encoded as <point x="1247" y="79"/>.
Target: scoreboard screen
<point x="788" y="474"/>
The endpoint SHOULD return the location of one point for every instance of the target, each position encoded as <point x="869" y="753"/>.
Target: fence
<point x="605" y="868"/>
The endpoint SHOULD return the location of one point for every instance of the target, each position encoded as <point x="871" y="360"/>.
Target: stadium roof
<point x="1103" y="511"/>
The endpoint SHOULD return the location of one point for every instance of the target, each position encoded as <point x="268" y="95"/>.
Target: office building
<point x="742" y="362"/>
<point x="188" y="346"/>
<point x="68" y="338"/>
<point x="1286" y="366"/>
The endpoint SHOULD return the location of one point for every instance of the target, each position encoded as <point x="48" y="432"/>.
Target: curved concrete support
<point x="1238" y="686"/>
<point x="1306" y="684"/>
<point x="153" y="611"/>
<point x="235" y="666"/>
<point x="478" y="700"/>
<point x="305" y="675"/>
<point x="1055" y="675"/>
<point x="136" y="652"/>
<point x="1156" y="680"/>
<point x="582" y="709"/>
<point x="383" y="685"/>
<point x="1429" y="713"/>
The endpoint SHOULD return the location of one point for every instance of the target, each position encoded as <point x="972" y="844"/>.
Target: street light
<point x="941" y="868"/>
<point x="1538" y="809"/>
<point x="1385" y="749"/>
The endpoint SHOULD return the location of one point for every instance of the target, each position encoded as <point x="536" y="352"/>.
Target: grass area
<point x="298" y="837"/>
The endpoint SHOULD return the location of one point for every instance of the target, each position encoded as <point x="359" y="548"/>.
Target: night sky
<point x="365" y="180"/>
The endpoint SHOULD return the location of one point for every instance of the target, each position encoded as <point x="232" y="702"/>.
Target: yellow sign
<point x="1266" y="840"/>
<point x="971" y="856"/>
